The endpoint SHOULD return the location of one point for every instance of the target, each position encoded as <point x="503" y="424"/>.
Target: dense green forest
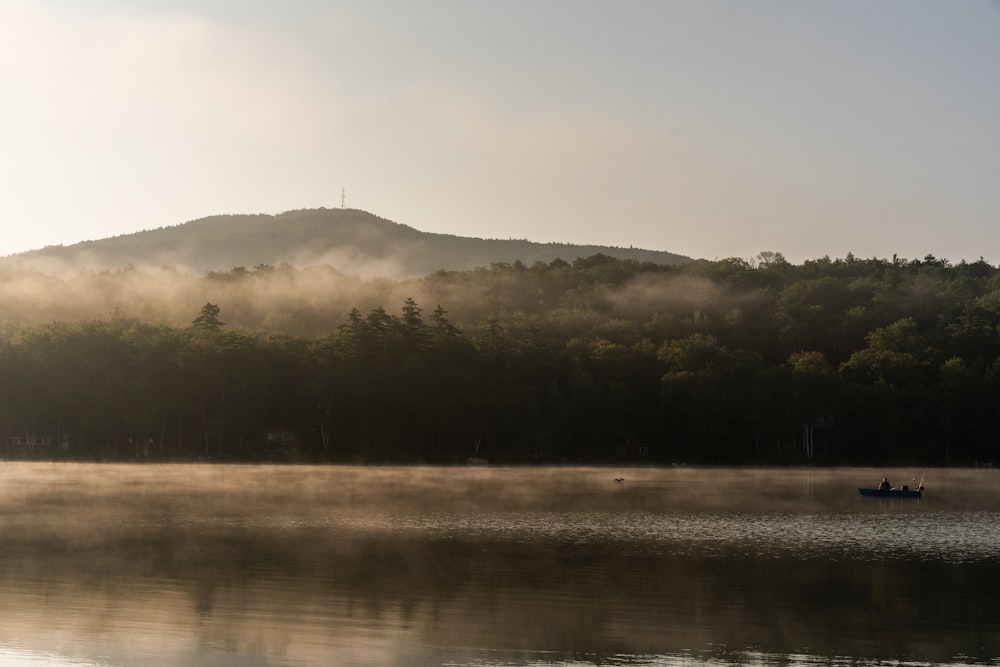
<point x="834" y="361"/>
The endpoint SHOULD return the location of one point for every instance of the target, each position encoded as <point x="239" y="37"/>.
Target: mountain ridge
<point x="352" y="241"/>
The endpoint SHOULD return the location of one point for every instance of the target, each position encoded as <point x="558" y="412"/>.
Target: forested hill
<point x="351" y="241"/>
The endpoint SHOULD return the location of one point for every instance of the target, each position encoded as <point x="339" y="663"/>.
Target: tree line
<point x="834" y="361"/>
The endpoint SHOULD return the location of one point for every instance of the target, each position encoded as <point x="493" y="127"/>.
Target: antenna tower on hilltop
<point x="342" y="198"/>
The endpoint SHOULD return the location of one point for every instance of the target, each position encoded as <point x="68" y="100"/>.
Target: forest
<point x="752" y="362"/>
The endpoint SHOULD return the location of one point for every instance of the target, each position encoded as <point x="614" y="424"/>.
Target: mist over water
<point x="297" y="565"/>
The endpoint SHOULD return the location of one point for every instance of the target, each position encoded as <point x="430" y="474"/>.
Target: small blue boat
<point x="903" y="492"/>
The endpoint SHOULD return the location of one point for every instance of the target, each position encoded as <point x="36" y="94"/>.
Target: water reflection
<point x="180" y="565"/>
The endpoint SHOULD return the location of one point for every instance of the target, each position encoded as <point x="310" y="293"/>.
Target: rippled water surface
<point x="286" y="565"/>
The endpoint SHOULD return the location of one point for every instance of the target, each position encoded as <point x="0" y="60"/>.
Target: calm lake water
<point x="226" y="566"/>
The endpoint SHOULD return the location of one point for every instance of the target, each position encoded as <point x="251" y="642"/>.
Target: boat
<point x="902" y="492"/>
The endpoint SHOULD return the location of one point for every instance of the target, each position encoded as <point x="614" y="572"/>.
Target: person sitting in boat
<point x="884" y="485"/>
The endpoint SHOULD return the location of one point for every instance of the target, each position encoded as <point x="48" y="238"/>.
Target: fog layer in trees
<point x="832" y="361"/>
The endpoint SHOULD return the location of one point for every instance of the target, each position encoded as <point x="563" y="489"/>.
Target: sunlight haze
<point x="706" y="128"/>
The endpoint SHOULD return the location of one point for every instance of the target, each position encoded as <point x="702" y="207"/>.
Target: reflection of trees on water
<point x="596" y="599"/>
<point x="564" y="560"/>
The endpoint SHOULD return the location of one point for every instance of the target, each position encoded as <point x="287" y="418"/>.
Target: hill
<point x="352" y="241"/>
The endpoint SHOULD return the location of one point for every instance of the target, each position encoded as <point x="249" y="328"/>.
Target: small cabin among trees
<point x="633" y="450"/>
<point x="283" y="443"/>
<point x="34" y="446"/>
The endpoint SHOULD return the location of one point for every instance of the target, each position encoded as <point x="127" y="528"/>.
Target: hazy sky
<point x="710" y="128"/>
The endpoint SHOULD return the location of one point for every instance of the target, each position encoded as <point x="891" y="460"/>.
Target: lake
<point x="226" y="566"/>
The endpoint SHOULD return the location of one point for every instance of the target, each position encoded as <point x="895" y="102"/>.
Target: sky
<point x="708" y="128"/>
